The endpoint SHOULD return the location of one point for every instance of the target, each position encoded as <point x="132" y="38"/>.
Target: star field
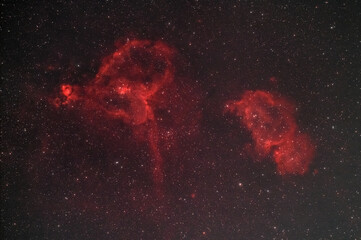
<point x="180" y="120"/>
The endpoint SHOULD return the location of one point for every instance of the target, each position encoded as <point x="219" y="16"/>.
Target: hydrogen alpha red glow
<point x="135" y="84"/>
<point x="127" y="87"/>
<point x="271" y="121"/>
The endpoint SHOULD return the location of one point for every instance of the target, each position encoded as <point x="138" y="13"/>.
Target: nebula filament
<point x="128" y="87"/>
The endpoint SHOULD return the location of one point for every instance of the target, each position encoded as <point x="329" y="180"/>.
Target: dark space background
<point x="64" y="179"/>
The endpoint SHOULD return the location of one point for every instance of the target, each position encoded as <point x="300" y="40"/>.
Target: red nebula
<point x="129" y="87"/>
<point x="68" y="95"/>
<point x="67" y="90"/>
<point x="271" y="121"/>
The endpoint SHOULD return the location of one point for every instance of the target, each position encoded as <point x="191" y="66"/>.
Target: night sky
<point x="180" y="120"/>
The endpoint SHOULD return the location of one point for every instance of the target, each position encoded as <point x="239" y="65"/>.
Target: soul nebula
<point x="274" y="130"/>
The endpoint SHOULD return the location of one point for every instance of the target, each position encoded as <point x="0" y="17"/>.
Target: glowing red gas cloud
<point x="129" y="86"/>
<point x="271" y="121"/>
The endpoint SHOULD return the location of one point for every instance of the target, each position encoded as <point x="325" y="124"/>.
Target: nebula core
<point x="271" y="121"/>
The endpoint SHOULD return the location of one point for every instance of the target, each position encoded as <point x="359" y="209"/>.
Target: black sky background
<point x="223" y="48"/>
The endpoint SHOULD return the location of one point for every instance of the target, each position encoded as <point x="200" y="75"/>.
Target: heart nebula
<point x="129" y="86"/>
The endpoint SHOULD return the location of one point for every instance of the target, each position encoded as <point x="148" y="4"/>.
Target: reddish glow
<point x="66" y="90"/>
<point x="123" y="90"/>
<point x="273" y="80"/>
<point x="127" y="87"/>
<point x="271" y="121"/>
<point x="68" y="94"/>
